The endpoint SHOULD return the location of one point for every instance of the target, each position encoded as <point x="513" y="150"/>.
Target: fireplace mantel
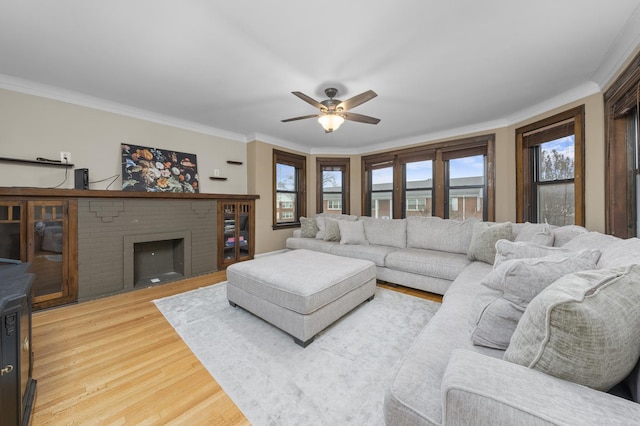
<point x="19" y="192"/>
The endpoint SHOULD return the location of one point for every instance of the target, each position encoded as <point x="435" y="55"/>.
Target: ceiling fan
<point x="333" y="112"/>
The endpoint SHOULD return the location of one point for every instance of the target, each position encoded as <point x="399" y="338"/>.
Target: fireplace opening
<point x="158" y="262"/>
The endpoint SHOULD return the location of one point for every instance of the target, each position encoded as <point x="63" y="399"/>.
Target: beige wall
<point x="32" y="127"/>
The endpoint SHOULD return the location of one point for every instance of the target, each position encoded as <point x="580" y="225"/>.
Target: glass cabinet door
<point x="11" y="223"/>
<point x="48" y="250"/>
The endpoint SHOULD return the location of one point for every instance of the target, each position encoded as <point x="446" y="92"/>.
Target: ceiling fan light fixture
<point x="330" y="122"/>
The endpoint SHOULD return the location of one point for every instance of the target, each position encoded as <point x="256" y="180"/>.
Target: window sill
<point x="287" y="225"/>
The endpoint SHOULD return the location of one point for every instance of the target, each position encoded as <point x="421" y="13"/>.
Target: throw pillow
<point x="352" y="232"/>
<point x="590" y="240"/>
<point x="583" y="328"/>
<point x="496" y="324"/>
<point x="564" y="234"/>
<point x="538" y="233"/>
<point x="321" y="227"/>
<point x="620" y="253"/>
<point x="434" y="233"/>
<point x="484" y="238"/>
<point x="308" y="227"/>
<point x="332" y="229"/>
<point x="507" y="250"/>
<point x="520" y="280"/>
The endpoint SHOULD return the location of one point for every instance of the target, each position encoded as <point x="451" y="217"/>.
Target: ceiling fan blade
<point x="300" y="118"/>
<point x="357" y="100"/>
<point x="360" y="118"/>
<point x="309" y="100"/>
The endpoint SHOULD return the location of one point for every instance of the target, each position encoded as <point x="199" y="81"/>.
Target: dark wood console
<point x="17" y="386"/>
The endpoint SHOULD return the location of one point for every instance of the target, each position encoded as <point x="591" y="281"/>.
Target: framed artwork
<point x="147" y="169"/>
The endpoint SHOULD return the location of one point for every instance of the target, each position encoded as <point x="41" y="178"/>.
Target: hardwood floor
<point x="116" y="360"/>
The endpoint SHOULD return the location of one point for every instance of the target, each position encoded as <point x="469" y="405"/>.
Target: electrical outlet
<point x="65" y="157"/>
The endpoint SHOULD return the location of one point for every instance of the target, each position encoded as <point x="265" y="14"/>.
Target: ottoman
<point x="301" y="291"/>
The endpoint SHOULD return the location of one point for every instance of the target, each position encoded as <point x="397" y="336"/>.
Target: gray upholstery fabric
<point x="574" y="329"/>
<point x="438" y="264"/>
<point x="308" y="227"/>
<point x="375" y="254"/>
<point x="497" y="323"/>
<point x="331" y="229"/>
<point x="520" y="280"/>
<point x="538" y="233"/>
<point x="310" y="244"/>
<point x="479" y="390"/>
<point x="302" y="327"/>
<point x="484" y="239"/>
<point x="312" y="280"/>
<point x="386" y="232"/>
<point x="352" y="232"/>
<point x="590" y="240"/>
<point x="415" y="396"/>
<point x="434" y="233"/>
<point x="320" y="222"/>
<point x="507" y="250"/>
<point x="564" y="234"/>
<point x="620" y="253"/>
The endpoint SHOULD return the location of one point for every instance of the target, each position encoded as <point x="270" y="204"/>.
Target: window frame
<point x="330" y="164"/>
<point x="621" y="213"/>
<point x="463" y="153"/>
<point x="438" y="153"/>
<point x="299" y="163"/>
<point x="526" y="143"/>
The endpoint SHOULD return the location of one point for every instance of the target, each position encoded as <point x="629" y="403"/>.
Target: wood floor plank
<point x="117" y="361"/>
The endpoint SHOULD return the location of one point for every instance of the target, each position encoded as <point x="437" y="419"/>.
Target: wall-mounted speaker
<point x="81" y="178"/>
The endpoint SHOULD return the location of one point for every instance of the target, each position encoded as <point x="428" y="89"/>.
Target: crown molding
<point x="261" y="137"/>
<point x="45" y="91"/>
<point x="623" y="48"/>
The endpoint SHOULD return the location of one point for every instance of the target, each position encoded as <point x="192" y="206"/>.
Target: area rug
<point x="338" y="379"/>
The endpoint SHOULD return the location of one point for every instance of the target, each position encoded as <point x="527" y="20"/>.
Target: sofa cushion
<point x="308" y="227"/>
<point x="620" y="253"/>
<point x="386" y="232"/>
<point x="484" y="238"/>
<point x="352" y="232"/>
<point x="310" y="244"/>
<point x="439" y="264"/>
<point x="507" y="250"/>
<point x="538" y="233"/>
<point x="434" y="233"/>
<point x="519" y="281"/>
<point x="574" y="329"/>
<point x="590" y="240"/>
<point x="376" y="254"/>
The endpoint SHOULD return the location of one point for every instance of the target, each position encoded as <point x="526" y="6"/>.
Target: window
<point x="289" y="201"/>
<point x="432" y="180"/>
<point x="550" y="153"/>
<point x="418" y="188"/>
<point x="465" y="186"/>
<point x="334" y="205"/>
<point x="622" y="151"/>
<point x="332" y="189"/>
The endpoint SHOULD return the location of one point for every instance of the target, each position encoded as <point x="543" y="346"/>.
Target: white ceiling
<point x="440" y="68"/>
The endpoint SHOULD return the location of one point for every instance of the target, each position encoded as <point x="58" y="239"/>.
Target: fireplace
<point x="156" y="258"/>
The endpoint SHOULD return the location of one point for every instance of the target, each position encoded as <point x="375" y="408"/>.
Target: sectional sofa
<point x="538" y="325"/>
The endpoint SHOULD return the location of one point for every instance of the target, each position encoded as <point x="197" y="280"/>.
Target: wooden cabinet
<point x="43" y="233"/>
<point x="236" y="223"/>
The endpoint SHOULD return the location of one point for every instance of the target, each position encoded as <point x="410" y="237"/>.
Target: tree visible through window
<point x="550" y="164"/>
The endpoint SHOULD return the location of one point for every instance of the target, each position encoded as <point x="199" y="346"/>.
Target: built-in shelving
<point x="36" y="162"/>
